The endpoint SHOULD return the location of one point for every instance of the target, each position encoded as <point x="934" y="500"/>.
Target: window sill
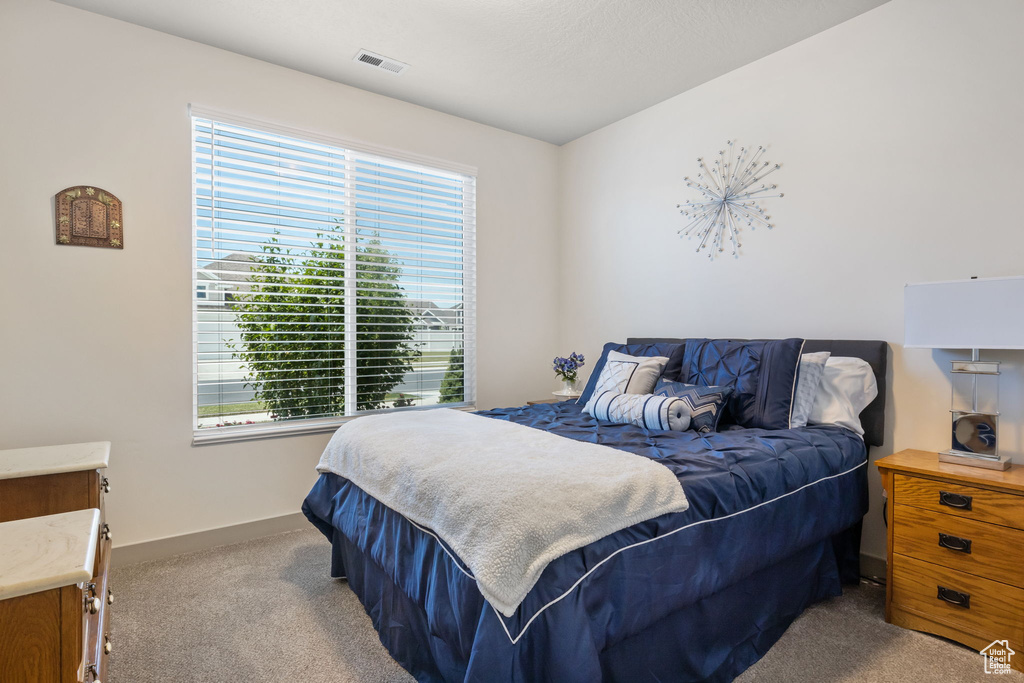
<point x="277" y="430"/>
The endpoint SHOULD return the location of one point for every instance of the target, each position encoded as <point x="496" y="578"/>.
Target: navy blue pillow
<point x="675" y="364"/>
<point x="762" y="375"/>
<point x="706" y="404"/>
<point x="646" y="350"/>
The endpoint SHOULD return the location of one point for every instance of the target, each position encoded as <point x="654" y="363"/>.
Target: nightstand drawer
<point x="963" y="501"/>
<point x="968" y="603"/>
<point x="979" y="548"/>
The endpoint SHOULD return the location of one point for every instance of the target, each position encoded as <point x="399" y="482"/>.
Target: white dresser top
<point x="30" y="462"/>
<point x="40" y="553"/>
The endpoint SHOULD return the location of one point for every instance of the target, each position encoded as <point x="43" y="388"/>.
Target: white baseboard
<point x="170" y="546"/>
<point x="872" y="566"/>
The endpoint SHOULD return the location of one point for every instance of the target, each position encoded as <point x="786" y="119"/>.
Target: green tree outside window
<point x="293" y="333"/>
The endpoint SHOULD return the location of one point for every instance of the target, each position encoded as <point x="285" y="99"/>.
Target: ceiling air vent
<point x="381" y="62"/>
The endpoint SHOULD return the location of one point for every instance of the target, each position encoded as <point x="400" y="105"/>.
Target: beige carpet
<point x="266" y="610"/>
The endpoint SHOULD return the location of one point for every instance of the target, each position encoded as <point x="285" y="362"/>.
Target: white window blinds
<point x="327" y="281"/>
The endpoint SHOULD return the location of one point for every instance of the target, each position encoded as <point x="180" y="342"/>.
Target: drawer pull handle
<point x="107" y="646"/>
<point x="961" y="545"/>
<point x="110" y="593"/>
<point x="954" y="597"/>
<point x="92" y="605"/>
<point x="105" y="485"/>
<point x="955" y="500"/>
<point x="106" y="532"/>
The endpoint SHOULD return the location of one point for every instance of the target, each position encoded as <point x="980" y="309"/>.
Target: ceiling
<point x="550" y="69"/>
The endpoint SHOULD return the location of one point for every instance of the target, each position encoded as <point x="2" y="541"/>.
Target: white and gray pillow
<point x="625" y="374"/>
<point x="812" y="367"/>
<point x="643" y="410"/>
<point x="847" y="386"/>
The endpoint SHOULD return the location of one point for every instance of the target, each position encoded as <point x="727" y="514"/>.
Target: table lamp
<point x="969" y="314"/>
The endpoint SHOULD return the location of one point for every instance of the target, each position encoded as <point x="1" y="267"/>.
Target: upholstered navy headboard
<point x="876" y="353"/>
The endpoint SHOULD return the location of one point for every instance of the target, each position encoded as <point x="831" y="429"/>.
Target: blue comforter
<point x="759" y="499"/>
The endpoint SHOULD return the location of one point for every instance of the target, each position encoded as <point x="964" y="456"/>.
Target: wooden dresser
<point x="956" y="550"/>
<point x="38" y="482"/>
<point x="48" y="616"/>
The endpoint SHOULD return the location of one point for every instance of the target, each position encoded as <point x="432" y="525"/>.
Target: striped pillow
<point x="704" y="403"/>
<point x="643" y="410"/>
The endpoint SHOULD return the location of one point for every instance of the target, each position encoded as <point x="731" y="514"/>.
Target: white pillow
<point x="812" y="365"/>
<point x="847" y="387"/>
<point x="629" y="374"/>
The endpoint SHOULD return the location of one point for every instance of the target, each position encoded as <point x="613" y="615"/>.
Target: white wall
<point x="900" y="137"/>
<point x="899" y="132"/>
<point x="96" y="344"/>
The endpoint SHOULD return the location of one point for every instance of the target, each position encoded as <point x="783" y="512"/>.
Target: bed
<point x="773" y="525"/>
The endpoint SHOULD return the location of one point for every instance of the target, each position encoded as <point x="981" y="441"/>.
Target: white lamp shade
<point x="965" y="314"/>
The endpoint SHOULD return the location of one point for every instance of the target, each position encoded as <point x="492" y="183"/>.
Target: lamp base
<point x="988" y="463"/>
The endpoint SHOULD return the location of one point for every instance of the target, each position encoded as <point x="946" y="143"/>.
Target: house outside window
<point x="329" y="281"/>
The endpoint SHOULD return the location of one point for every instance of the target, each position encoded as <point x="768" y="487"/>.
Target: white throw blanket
<point x="508" y="499"/>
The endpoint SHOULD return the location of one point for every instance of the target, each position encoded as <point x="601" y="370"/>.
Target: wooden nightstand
<point x="956" y="550"/>
<point x="558" y="399"/>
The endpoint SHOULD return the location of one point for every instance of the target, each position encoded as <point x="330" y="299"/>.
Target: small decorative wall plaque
<point x="729" y="199"/>
<point x="89" y="217"/>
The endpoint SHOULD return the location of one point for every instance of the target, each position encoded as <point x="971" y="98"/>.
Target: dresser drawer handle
<point x="92" y="605"/>
<point x="954" y="597"/>
<point x="955" y="500"/>
<point x="105" y="485"/>
<point x="961" y="545"/>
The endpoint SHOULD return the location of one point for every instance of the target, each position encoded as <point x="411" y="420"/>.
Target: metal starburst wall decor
<point x="727" y="203"/>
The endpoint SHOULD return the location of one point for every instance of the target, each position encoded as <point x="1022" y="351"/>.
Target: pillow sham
<point x="642" y="350"/>
<point x="706" y="404"/>
<point x="847" y="387"/>
<point x="812" y="366"/>
<point x="629" y="374"/>
<point x="643" y="410"/>
<point x="674" y="366"/>
<point x="762" y="375"/>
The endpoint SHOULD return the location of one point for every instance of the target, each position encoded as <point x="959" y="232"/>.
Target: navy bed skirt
<point x="714" y="639"/>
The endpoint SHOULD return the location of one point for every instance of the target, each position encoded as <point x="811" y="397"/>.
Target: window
<point x="329" y="281"/>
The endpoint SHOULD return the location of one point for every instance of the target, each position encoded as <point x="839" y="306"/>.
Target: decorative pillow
<point x="629" y="374"/>
<point x="762" y="375"/>
<point x="847" y="387"/>
<point x="812" y="365"/>
<point x="643" y="410"/>
<point x="675" y="364"/>
<point x="706" y="404"/>
<point x="642" y="350"/>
